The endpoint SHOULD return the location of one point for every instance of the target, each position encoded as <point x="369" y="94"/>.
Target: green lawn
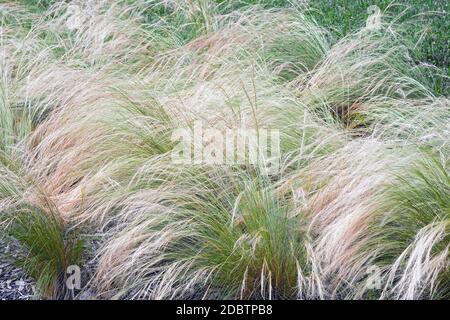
<point x="428" y="25"/>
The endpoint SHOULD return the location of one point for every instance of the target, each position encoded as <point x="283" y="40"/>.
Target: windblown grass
<point x="92" y="92"/>
<point x="415" y="233"/>
<point x="47" y="250"/>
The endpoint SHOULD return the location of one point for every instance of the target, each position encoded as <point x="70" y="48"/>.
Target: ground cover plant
<point x="352" y="201"/>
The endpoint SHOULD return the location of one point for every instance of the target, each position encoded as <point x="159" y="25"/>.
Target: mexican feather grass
<point x="91" y="93"/>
